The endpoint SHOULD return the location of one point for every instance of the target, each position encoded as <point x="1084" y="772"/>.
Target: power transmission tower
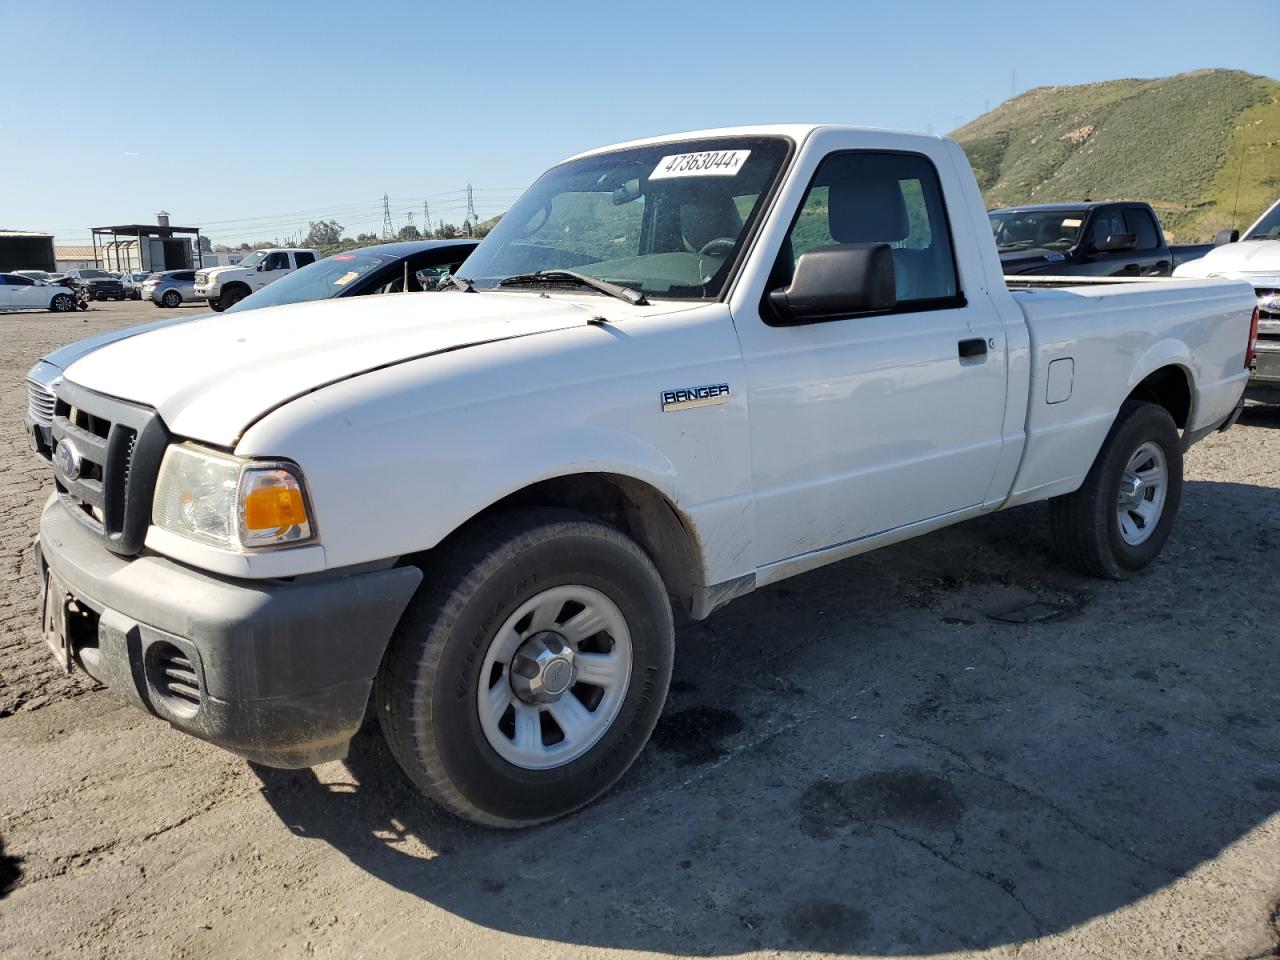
<point x="387" y="227"/>
<point x="472" y="220"/>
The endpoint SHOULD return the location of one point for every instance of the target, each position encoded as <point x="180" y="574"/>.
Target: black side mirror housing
<point x="1226" y="236"/>
<point x="838" y="281"/>
<point x="1116" y="242"/>
<point x="262" y="266"/>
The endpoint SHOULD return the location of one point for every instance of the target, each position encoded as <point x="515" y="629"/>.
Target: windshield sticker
<point x="1072" y="223"/>
<point x="346" y="278"/>
<point x="708" y="163"/>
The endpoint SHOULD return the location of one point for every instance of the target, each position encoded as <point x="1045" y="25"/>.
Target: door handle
<point x="973" y="348"/>
<point x="1130" y="268"/>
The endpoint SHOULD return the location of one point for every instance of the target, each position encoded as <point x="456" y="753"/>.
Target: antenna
<point x="387" y="227"/>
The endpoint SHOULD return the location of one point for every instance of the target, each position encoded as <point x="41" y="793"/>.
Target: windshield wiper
<point x="627" y="294"/>
<point x="1014" y="245"/>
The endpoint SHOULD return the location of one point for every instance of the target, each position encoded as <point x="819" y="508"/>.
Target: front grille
<point x="106" y="454"/>
<point x="40" y="401"/>
<point x="1268" y="303"/>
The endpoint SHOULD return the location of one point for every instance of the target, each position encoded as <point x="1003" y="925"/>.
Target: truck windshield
<point x="667" y="220"/>
<point x="252" y="260"/>
<point x="1268" y="228"/>
<point x="316" y="281"/>
<point x="1039" y="229"/>
<point x="93" y="275"/>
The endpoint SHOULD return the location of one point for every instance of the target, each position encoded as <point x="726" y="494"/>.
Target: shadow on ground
<point x="863" y="760"/>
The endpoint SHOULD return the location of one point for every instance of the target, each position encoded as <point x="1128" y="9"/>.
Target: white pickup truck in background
<point x="224" y="287"/>
<point x="677" y="370"/>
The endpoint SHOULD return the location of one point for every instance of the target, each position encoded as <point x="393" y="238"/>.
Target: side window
<point x="1107" y="222"/>
<point x="185" y="275"/>
<point x="16" y="281"/>
<point x="303" y="258"/>
<point x="278" y="261"/>
<point x="891" y="198"/>
<point x="1140" y="225"/>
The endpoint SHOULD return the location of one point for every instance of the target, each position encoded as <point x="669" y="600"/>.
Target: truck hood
<point x="63" y="357"/>
<point x="211" y="380"/>
<point x="1252" y="260"/>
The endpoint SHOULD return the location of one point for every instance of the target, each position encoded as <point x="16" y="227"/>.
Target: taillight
<point x="1250" y="350"/>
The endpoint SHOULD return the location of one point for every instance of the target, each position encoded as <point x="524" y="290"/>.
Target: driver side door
<point x="275" y="266"/>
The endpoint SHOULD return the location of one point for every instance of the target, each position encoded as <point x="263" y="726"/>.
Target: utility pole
<point x="387" y="227"/>
<point x="426" y="218"/>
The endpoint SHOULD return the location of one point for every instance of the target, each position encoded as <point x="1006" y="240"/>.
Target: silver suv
<point x="172" y="288"/>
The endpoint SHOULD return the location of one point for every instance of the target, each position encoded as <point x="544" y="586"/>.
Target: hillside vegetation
<point x="1182" y="143"/>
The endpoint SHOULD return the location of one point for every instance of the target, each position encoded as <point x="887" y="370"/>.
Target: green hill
<point x="1185" y="144"/>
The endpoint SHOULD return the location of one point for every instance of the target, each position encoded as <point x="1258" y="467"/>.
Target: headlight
<point x="231" y="502"/>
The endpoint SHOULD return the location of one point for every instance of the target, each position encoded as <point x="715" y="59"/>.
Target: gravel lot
<point x="860" y="761"/>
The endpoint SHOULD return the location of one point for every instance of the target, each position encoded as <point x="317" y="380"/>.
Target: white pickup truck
<point x="678" y="370"/>
<point x="224" y="287"/>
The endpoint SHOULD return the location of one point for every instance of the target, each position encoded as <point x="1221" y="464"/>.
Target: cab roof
<point x="795" y="131"/>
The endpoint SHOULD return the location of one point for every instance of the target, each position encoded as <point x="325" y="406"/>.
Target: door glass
<point x="1144" y="231"/>
<point x="1107" y="223"/>
<point x="880" y="198"/>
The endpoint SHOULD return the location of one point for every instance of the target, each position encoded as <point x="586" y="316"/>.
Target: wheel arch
<point x="1169" y="386"/>
<point x="629" y="504"/>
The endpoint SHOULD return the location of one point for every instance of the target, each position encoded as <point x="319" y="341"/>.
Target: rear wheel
<point x="63" y="303"/>
<point x="171" y="299"/>
<point x="1118" y="521"/>
<point x="527" y="676"/>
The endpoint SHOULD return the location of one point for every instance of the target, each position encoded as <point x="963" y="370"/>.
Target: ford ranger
<point x="677" y="370"/>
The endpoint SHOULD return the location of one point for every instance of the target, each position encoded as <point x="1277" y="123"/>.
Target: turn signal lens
<point x="273" y="509"/>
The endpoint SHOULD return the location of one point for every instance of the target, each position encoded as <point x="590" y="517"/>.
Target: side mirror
<point x="1117" y="242"/>
<point x="838" y="281"/>
<point x="1226" y="236"/>
<point x="262" y="266"/>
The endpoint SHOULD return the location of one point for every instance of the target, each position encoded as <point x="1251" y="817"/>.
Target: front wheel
<point x="1118" y="521"/>
<point x="527" y="676"/>
<point x="63" y="303"/>
<point x="233" y="296"/>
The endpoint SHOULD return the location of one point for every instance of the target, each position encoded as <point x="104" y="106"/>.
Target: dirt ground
<point x="860" y="761"/>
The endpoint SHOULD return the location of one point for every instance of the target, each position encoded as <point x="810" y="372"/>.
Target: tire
<point x="215" y="304"/>
<point x="233" y="296"/>
<point x="171" y="299"/>
<point x="428" y="692"/>
<point x="63" y="303"/>
<point x="1087" y="526"/>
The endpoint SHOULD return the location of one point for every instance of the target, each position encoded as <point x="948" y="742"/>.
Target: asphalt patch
<point x="905" y="796"/>
<point x="827" y="926"/>
<point x="694" y="734"/>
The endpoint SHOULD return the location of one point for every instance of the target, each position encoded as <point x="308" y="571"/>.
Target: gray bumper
<point x="1266" y="370"/>
<point x="282" y="670"/>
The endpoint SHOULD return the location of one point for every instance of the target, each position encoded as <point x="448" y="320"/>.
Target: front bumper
<point x="208" y="291"/>
<point x="282" y="670"/>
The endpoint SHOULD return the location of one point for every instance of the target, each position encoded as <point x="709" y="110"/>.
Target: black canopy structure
<point x="147" y="246"/>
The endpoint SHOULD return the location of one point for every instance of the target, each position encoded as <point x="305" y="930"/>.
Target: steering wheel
<point x="719" y="247"/>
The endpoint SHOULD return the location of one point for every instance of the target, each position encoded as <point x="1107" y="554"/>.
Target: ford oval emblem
<point x="67" y="459"/>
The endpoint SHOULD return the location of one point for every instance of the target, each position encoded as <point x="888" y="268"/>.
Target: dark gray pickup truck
<point x="1091" y="239"/>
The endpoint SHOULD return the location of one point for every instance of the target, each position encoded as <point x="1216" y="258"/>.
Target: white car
<point x="677" y="370"/>
<point x="18" y="292"/>
<point x="224" y="287"/>
<point x="1256" y="259"/>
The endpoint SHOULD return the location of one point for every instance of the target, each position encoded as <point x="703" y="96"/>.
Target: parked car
<point x="368" y="270"/>
<point x="224" y="287"/>
<point x="42" y="275"/>
<point x="132" y="283"/>
<point x="98" y="284"/>
<point x="677" y="370"/>
<point x="20" y="292"/>
<point x="1091" y="239"/>
<point x="1255" y="257"/>
<point x="408" y="266"/>
<point x="172" y="288"/>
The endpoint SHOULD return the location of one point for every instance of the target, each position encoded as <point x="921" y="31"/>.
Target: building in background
<point x="73" y="257"/>
<point x="144" y="246"/>
<point x="26" y="250"/>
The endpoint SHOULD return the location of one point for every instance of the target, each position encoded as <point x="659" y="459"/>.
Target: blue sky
<point x="248" y="119"/>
